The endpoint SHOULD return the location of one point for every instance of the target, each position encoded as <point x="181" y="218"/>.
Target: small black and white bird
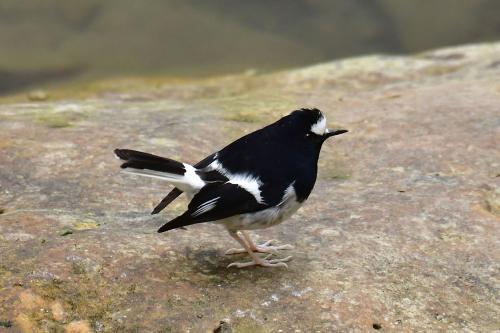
<point x="255" y="182"/>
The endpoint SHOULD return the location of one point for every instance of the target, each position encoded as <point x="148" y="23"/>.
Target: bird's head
<point x="309" y="125"/>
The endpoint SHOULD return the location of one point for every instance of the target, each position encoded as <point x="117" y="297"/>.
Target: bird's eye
<point x="308" y="135"/>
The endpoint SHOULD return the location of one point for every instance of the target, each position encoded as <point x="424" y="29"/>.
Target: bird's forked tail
<point x="182" y="175"/>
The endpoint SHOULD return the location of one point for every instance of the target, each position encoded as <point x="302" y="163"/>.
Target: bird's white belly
<point x="264" y="218"/>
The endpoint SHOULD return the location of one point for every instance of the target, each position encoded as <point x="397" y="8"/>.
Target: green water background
<point x="52" y="41"/>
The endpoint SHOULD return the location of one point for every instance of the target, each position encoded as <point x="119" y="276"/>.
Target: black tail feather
<point x="171" y="196"/>
<point x="179" y="222"/>
<point x="139" y="160"/>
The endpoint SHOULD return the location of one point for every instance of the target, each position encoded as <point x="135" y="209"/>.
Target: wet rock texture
<point x="400" y="234"/>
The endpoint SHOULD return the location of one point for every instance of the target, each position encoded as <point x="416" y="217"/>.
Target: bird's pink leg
<point x="256" y="260"/>
<point x="264" y="248"/>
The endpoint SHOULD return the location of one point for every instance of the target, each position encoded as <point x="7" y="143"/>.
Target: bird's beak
<point x="333" y="132"/>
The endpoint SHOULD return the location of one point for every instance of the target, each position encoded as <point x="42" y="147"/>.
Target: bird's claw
<point x="269" y="242"/>
<point x="235" y="251"/>
<point x="262" y="262"/>
<point x="264" y="248"/>
<point x="283" y="247"/>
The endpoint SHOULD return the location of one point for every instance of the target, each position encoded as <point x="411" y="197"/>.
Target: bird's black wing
<point x="172" y="195"/>
<point x="214" y="202"/>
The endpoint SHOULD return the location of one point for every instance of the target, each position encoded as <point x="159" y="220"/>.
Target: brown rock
<point x="57" y="311"/>
<point x="29" y="301"/>
<point x="81" y="326"/>
<point x="400" y="232"/>
<point x="24" y="324"/>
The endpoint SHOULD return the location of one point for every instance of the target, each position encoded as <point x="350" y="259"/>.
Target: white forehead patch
<point x="319" y="127"/>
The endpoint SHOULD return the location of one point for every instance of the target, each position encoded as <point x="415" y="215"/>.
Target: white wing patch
<point x="215" y="165"/>
<point x="246" y="181"/>
<point x="205" y="207"/>
<point x="288" y="194"/>
<point x="249" y="183"/>
<point x="320" y="126"/>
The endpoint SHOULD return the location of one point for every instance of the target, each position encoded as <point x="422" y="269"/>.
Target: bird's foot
<point x="264" y="248"/>
<point x="262" y="262"/>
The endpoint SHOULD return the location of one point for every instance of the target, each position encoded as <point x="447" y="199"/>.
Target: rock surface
<point x="400" y="234"/>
